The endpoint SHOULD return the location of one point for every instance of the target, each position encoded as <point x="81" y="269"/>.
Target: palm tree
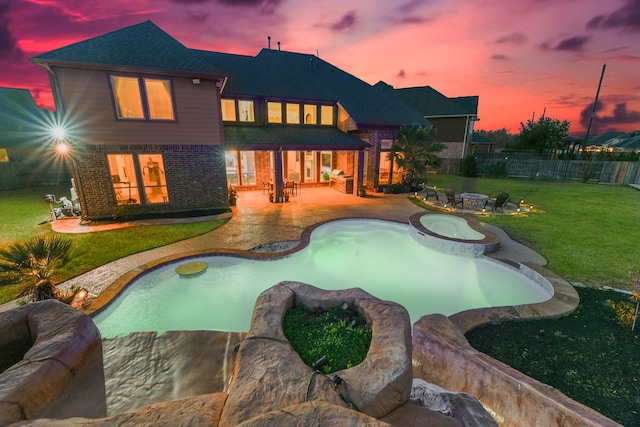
<point x="33" y="263"/>
<point x="414" y="150"/>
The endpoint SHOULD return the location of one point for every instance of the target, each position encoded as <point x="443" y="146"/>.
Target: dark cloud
<point x="514" y="38"/>
<point x="346" y="23"/>
<point x="410" y="6"/>
<point x="9" y="49"/>
<point x="500" y="57"/>
<point x="196" y="17"/>
<point x="625" y="18"/>
<point x="620" y="116"/>
<point x="574" y="44"/>
<point x="266" y="6"/>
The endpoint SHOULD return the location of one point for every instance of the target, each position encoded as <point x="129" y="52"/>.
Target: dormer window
<point x="142" y="98"/>
<point x="293" y="114"/>
<point x="244" y="109"/>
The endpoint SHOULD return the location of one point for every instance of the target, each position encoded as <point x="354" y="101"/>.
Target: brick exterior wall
<point x="196" y="182"/>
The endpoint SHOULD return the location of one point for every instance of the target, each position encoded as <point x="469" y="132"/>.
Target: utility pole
<point x="593" y="111"/>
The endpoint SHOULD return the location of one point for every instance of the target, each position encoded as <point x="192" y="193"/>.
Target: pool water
<point x="378" y="256"/>
<point x="450" y="226"/>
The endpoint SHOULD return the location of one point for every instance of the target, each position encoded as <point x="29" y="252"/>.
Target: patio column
<point x="278" y="181"/>
<point x="359" y="172"/>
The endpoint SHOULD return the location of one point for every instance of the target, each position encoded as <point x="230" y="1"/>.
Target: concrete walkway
<point x="256" y="221"/>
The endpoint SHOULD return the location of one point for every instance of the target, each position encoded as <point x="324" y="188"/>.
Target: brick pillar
<point x="277" y="170"/>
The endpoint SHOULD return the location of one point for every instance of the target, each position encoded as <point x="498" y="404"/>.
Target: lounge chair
<point x="427" y="192"/>
<point x="498" y="202"/>
<point x="452" y="200"/>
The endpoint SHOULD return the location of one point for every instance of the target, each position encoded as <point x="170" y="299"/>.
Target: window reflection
<point x="154" y="179"/>
<point x="123" y="177"/>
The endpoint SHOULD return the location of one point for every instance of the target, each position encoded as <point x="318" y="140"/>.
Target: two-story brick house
<point x="158" y="128"/>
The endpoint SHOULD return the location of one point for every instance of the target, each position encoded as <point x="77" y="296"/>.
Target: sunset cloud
<point x="625" y="18"/>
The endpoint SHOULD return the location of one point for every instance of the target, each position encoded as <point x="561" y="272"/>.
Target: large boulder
<point x="60" y="373"/>
<point x="269" y="375"/>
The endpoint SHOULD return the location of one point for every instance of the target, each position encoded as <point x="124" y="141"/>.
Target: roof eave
<point x="127" y="69"/>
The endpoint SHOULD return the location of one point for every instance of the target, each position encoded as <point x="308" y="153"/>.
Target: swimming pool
<point x="378" y="256"/>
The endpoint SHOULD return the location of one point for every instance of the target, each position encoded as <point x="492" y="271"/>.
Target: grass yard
<point x="26" y="214"/>
<point x="587" y="232"/>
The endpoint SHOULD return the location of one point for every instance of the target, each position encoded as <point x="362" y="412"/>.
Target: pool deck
<point x="256" y="221"/>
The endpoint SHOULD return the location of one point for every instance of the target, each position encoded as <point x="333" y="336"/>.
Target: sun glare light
<point x="59" y="133"/>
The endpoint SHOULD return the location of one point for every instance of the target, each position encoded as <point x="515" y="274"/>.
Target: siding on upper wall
<point x="91" y="115"/>
<point x="449" y="129"/>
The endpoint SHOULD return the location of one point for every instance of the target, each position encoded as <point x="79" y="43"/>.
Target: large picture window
<point x="147" y="99"/>
<point x="153" y="178"/>
<point x="124" y="170"/>
<point x="123" y="176"/>
<point x="241" y="167"/>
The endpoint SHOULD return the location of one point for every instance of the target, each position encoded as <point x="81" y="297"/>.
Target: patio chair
<point x="427" y="192"/>
<point x="290" y="187"/>
<point x="452" y="200"/>
<point x="517" y="202"/>
<point x="498" y="202"/>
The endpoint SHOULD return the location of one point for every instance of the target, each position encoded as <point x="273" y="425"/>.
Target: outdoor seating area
<point x="473" y="203"/>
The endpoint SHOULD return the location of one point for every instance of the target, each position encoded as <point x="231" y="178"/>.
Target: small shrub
<point x="497" y="170"/>
<point x="341" y="334"/>
<point x="469" y="167"/>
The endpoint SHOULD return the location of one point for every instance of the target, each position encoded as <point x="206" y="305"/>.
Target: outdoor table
<point x="474" y="197"/>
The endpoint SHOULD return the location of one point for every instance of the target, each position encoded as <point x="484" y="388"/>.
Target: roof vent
<point x="269" y="42"/>
<point x="278" y="46"/>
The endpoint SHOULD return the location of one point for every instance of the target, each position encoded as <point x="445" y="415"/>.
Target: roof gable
<point x="140" y="46"/>
<point x="297" y="76"/>
<point x="432" y="103"/>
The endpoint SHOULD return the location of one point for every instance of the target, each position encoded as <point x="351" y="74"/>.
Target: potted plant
<point x="362" y="191"/>
<point x="233" y="196"/>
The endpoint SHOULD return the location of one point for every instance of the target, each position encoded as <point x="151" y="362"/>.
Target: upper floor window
<point x="228" y="110"/>
<point x="245" y="110"/>
<point x="274" y="112"/>
<point x="293" y="114"/>
<point x="326" y="115"/>
<point x="4" y="156"/>
<point x="310" y="114"/>
<point x="142" y="98"/>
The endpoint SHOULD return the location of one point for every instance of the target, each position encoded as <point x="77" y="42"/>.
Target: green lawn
<point x="587" y="232"/>
<point x="25" y="214"/>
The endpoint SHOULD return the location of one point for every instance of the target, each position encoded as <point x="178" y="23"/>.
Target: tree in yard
<point x="33" y="263"/>
<point x="544" y="135"/>
<point x="414" y="150"/>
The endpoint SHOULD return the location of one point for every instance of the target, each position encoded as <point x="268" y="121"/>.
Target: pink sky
<point x="521" y="57"/>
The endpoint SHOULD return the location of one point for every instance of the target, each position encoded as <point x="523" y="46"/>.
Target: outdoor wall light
<point x="62" y="148"/>
<point x="195" y="81"/>
<point x="59" y="133"/>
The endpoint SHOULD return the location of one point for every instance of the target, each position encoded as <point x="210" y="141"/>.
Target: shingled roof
<point x="281" y="74"/>
<point x="432" y="103"/>
<point x="142" y="46"/>
<point x="21" y="121"/>
<point x="306" y="138"/>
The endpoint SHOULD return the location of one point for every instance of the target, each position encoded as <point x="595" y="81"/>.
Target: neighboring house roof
<point x="280" y="74"/>
<point x="628" y="141"/>
<point x="432" y="103"/>
<point x="141" y="46"/>
<point x="479" y="139"/>
<point x="290" y="138"/>
<point x="21" y="121"/>
<point x="600" y="140"/>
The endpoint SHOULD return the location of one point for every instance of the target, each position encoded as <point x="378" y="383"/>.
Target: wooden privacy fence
<point x="564" y="170"/>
